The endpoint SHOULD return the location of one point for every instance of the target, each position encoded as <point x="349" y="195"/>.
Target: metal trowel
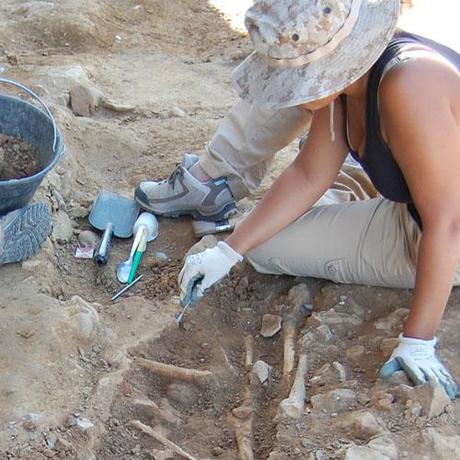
<point x="114" y="215"/>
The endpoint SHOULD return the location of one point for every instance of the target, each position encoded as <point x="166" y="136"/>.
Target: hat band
<point x="324" y="50"/>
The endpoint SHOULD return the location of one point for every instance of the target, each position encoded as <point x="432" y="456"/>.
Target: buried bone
<point x="162" y="439"/>
<point x="294" y="405"/>
<point x="289" y="337"/>
<point x="249" y="351"/>
<point x="152" y="409"/>
<point x="174" y="373"/>
<point x="242" y="417"/>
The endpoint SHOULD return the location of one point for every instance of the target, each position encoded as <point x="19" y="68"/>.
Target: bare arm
<point x="421" y="129"/>
<point x="298" y="188"/>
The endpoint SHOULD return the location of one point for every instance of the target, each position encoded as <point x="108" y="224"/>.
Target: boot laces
<point x="178" y="172"/>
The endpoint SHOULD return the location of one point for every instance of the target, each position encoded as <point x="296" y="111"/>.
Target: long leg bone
<point x="174" y="373"/>
<point x="294" y="405"/>
<point x="242" y="417"/>
<point x="249" y="351"/>
<point x="289" y="337"/>
<point x="243" y="435"/>
<point x="226" y="361"/>
<point x="160" y="438"/>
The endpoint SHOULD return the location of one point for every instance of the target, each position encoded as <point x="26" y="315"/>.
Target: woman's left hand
<point x="417" y="358"/>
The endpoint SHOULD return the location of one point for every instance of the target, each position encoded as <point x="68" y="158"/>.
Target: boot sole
<point x="26" y="234"/>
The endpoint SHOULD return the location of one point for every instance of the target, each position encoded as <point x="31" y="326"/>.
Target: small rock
<point x="127" y="389"/>
<point x="362" y="425"/>
<point x="363" y="398"/>
<point x="78" y="211"/>
<point x="29" y="425"/>
<point x="238" y="55"/>
<point x="306" y="309"/>
<point x="26" y="333"/>
<point x="136" y="450"/>
<point x="322" y="334"/>
<point x="306" y="443"/>
<point x="392" y="321"/>
<point x="85" y="319"/>
<point x="12" y="59"/>
<point x="321" y="455"/>
<point x="401" y="393"/>
<point x="413" y="408"/>
<point x="71" y="421"/>
<point x="178" y="112"/>
<point x="382" y="400"/>
<point x="298" y="295"/>
<point x="83" y="100"/>
<point x="444" y="447"/>
<point x="63" y="445"/>
<point x="51" y="440"/>
<point x="355" y="353"/>
<point x="185" y="395"/>
<point x="432" y="398"/>
<point x="88" y="238"/>
<point x="261" y="370"/>
<point x="383" y="404"/>
<point x="271" y="324"/>
<point x="84" y="424"/>
<point x="62" y="227"/>
<point x="364" y="453"/>
<point x="399" y="378"/>
<point x="385" y="445"/>
<point x="341" y="372"/>
<point x="217" y="451"/>
<point x="334" y="401"/>
<point x="161" y="257"/>
<point x="329" y="374"/>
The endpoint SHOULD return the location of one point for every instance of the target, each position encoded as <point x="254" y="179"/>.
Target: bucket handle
<point x="47" y="110"/>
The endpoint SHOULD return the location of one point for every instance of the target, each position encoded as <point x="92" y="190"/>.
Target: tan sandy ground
<point x="69" y="386"/>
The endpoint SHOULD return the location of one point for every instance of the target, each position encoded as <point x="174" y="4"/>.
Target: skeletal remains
<point x="241" y="418"/>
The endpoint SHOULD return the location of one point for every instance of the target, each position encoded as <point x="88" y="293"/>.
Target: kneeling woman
<point x="390" y="98"/>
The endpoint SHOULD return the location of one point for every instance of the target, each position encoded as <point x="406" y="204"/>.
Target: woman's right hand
<point x="203" y="270"/>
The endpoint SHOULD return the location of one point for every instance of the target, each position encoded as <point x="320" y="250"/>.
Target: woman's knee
<point x="262" y="261"/>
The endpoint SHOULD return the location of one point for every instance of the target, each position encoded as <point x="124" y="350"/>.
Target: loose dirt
<point x="18" y="159"/>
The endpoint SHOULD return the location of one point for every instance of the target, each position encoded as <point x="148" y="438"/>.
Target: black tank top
<point x="377" y="159"/>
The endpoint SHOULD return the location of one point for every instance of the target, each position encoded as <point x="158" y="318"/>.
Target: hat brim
<point x="257" y="82"/>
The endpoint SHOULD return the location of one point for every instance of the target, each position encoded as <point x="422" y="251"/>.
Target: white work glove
<point x="417" y="358"/>
<point x="203" y="270"/>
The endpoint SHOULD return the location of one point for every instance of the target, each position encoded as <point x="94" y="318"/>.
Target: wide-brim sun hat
<point x="307" y="50"/>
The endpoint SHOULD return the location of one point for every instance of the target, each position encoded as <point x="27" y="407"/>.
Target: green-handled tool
<point x="138" y="254"/>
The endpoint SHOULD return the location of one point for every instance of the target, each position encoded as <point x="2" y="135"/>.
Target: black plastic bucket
<point x="21" y="119"/>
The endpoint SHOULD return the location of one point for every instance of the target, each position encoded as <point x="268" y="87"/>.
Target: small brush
<point x="203" y="227"/>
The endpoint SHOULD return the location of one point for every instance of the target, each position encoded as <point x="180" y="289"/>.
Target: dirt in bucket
<point x="18" y="159"/>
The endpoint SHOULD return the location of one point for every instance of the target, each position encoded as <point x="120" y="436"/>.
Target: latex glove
<point x="203" y="270"/>
<point x="417" y="358"/>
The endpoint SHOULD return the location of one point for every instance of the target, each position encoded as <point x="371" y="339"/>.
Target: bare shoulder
<point x="420" y="84"/>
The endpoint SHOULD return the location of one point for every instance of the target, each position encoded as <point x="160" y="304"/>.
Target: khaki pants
<point x="247" y="140"/>
<point x="350" y="236"/>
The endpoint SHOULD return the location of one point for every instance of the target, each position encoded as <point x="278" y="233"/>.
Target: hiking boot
<point x="23" y="232"/>
<point x="182" y="194"/>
